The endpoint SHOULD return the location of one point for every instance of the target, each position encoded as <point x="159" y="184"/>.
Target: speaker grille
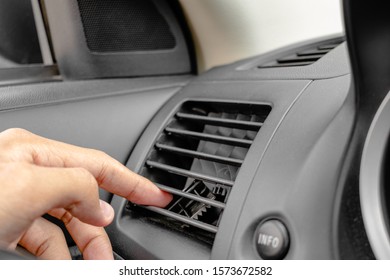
<point x="124" y="25"/>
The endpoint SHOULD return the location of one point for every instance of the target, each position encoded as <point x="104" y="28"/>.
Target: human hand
<point x="40" y="176"/>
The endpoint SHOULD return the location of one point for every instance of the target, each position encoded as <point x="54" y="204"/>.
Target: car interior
<point x="273" y="154"/>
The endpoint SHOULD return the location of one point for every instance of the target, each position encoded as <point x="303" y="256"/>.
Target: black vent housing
<point x="197" y="158"/>
<point x="303" y="57"/>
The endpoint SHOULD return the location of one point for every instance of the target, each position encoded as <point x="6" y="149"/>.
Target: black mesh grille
<point x="197" y="158"/>
<point x="124" y="25"/>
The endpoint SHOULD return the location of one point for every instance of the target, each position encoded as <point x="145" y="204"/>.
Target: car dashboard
<point x="241" y="145"/>
<point x="282" y="155"/>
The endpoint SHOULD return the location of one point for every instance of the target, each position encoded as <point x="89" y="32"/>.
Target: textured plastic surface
<point x="22" y="96"/>
<point x="76" y="61"/>
<point x="124" y="26"/>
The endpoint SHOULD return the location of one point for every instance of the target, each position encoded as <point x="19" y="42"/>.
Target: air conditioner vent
<point x="197" y="158"/>
<point x="304" y="57"/>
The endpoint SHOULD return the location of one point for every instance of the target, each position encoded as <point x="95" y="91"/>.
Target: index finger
<point x="110" y="174"/>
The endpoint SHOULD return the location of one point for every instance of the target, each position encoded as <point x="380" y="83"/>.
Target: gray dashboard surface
<point x="297" y="179"/>
<point x="107" y="115"/>
<point x="22" y="96"/>
<point x="290" y="173"/>
<point x="334" y="64"/>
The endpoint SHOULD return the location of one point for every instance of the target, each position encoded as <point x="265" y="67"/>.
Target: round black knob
<point x="272" y="240"/>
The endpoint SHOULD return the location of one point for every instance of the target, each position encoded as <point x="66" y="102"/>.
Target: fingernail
<point x="107" y="210"/>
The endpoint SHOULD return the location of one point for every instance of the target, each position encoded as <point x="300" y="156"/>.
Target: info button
<point x="272" y="240"/>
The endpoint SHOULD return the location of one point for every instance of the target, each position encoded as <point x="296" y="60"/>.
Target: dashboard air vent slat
<point x="197" y="157"/>
<point x="312" y="52"/>
<point x="210" y="137"/>
<point x="291" y="64"/>
<point x="223" y="122"/>
<point x="296" y="58"/>
<point x="328" y="46"/>
<point x="184" y="219"/>
<point x="304" y="57"/>
<point x="193" y="197"/>
<point x="186" y="173"/>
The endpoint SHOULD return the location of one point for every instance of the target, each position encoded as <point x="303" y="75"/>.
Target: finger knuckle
<point x="13" y="143"/>
<point x="98" y="240"/>
<point x="84" y="174"/>
<point x="99" y="154"/>
<point x="16" y="133"/>
<point x="42" y="248"/>
<point x="66" y="218"/>
<point x="88" y="180"/>
<point x="132" y="192"/>
<point x="102" y="154"/>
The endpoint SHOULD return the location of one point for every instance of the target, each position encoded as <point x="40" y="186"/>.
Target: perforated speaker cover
<point x="124" y="26"/>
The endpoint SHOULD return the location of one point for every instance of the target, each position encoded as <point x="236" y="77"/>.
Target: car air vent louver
<point x="304" y="57"/>
<point x="197" y="158"/>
